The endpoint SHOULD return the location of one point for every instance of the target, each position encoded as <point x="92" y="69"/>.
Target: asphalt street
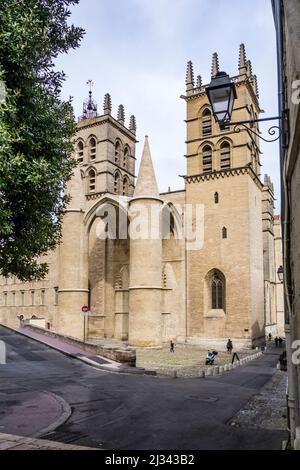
<point x="122" y="411"/>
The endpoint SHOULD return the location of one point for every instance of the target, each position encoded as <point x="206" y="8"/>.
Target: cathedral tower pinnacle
<point x="242" y="60"/>
<point x="215" y="65"/>
<point x="146" y="183"/>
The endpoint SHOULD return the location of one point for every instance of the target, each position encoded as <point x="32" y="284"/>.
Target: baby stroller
<point x="210" y="358"/>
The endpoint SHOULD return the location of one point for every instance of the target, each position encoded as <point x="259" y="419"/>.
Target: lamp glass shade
<point x="221" y="94"/>
<point x="280" y="273"/>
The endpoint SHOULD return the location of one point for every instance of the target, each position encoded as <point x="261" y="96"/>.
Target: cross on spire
<point x="90" y="84"/>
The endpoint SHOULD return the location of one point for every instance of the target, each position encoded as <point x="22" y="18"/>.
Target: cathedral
<point x="197" y="265"/>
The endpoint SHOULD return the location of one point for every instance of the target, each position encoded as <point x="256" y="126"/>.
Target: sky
<point x="137" y="51"/>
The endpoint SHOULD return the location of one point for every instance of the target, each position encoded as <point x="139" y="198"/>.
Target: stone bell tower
<point x="223" y="174"/>
<point x="104" y="148"/>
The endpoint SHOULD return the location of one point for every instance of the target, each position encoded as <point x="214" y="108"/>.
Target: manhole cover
<point x="202" y="398"/>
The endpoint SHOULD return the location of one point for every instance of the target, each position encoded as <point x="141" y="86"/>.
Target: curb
<point x="61" y="420"/>
<point x="214" y="371"/>
<point x="86" y="360"/>
<point x="14" y="442"/>
<point x="220" y="370"/>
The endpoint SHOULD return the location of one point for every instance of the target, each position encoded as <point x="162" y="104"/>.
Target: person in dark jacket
<point x="229" y="346"/>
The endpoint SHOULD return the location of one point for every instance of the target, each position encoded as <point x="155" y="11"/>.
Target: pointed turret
<point x="189" y="77"/>
<point x="242" y="60"/>
<point x="249" y="68"/>
<point x="121" y="114"/>
<point x="132" y="124"/>
<point x="199" y="81"/>
<point x="107" y="104"/>
<point x="89" y="105"/>
<point x="146" y="183"/>
<point x="255" y="85"/>
<point x="215" y="65"/>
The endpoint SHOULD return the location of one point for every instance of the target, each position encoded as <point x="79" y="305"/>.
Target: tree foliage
<point x="36" y="128"/>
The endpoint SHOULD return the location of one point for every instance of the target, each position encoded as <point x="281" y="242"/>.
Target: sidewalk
<point x="11" y="442"/>
<point x="31" y="413"/>
<point x="85" y="356"/>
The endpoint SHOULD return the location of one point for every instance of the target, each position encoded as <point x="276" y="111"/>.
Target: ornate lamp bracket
<point x="276" y="130"/>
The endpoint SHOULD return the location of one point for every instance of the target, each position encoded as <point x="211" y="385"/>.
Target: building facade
<point x="287" y="22"/>
<point x="196" y="265"/>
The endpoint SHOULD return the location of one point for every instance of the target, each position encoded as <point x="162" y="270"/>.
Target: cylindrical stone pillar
<point x="145" y="289"/>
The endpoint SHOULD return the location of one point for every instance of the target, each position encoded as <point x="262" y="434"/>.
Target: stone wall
<point x="290" y="19"/>
<point x="122" y="355"/>
<point x="39" y="298"/>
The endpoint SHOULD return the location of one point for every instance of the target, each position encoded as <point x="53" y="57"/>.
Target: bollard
<point x="230" y="366"/>
<point x="226" y="368"/>
<point x="221" y="370"/>
<point x="216" y="370"/>
<point x="209" y="372"/>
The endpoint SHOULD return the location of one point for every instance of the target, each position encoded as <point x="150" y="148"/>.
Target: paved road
<point x="115" y="411"/>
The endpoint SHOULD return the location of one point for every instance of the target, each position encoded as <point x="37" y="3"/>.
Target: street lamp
<point x="280" y="273"/>
<point x="221" y="93"/>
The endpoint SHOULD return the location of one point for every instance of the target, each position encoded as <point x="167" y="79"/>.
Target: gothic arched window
<point x="217" y="293"/>
<point x="117" y="152"/>
<point x="216" y="198"/>
<point x="207" y="159"/>
<point x="92" y="179"/>
<point x="206" y="122"/>
<point x="225" y="156"/>
<point x="80" y="151"/>
<point x="92" y="146"/>
<point x="125" y="157"/>
<point x="224" y="232"/>
<point x="116" y="183"/>
<point x="125" y="186"/>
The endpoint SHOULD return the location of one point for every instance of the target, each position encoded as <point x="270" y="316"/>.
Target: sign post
<point x="85" y="311"/>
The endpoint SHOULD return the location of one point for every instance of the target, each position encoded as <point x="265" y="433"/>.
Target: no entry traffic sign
<point x="85" y="309"/>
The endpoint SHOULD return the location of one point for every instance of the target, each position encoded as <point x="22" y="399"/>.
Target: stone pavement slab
<point x="12" y="442"/>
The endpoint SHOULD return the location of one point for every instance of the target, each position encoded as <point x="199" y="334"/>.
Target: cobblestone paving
<point x="188" y="361"/>
<point x="267" y="409"/>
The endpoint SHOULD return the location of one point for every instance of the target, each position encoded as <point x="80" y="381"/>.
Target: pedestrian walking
<point x="172" y="346"/>
<point x="276" y="341"/>
<point x="229" y="346"/>
<point x="235" y="356"/>
<point x="270" y="337"/>
<point x="280" y="341"/>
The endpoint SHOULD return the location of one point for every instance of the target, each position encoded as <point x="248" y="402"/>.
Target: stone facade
<point x="287" y="22"/>
<point x="163" y="284"/>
